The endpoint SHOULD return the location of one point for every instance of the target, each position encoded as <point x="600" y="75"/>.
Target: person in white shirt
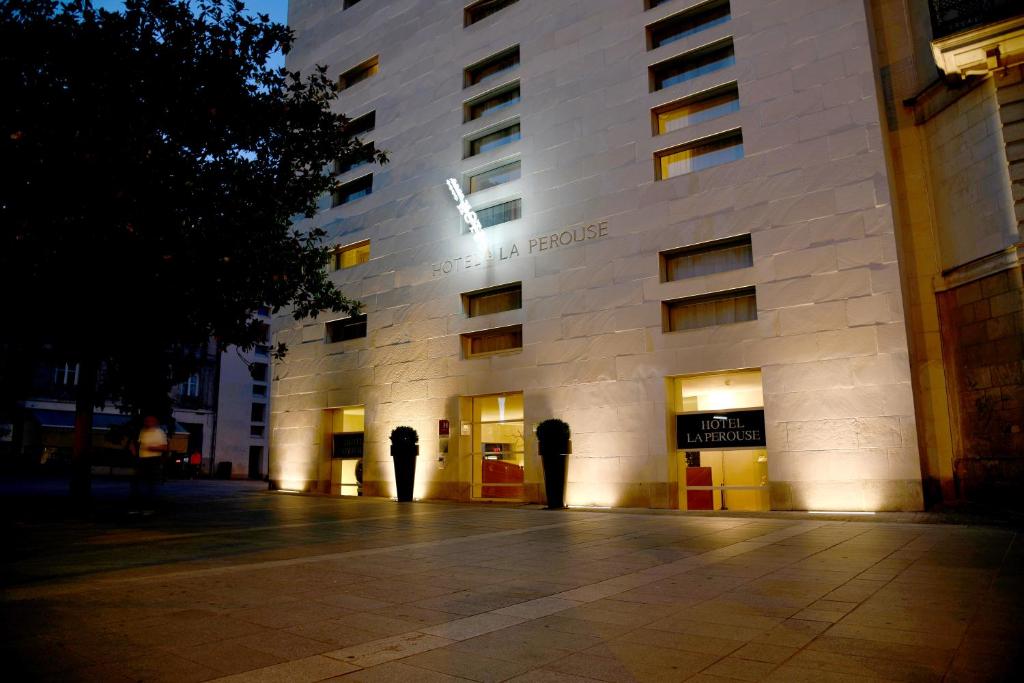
<point x="150" y="449"/>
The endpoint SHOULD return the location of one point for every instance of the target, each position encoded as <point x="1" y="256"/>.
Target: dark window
<point x="651" y="4"/>
<point x="493" y="341"/>
<point x="699" y="155"/>
<point x="65" y="374"/>
<point x="499" y="175"/>
<point x="256" y="430"/>
<point x="353" y="190"/>
<point x="704" y="259"/>
<point x="349" y="3"/>
<point x="692" y="64"/>
<point x="362" y="125"/>
<point x="500" y="213"/>
<point x="493" y="300"/>
<point x="258" y="371"/>
<point x="345" y="329"/>
<point x="359" y="73"/>
<point x="494" y="140"/>
<point x="360" y="158"/>
<point x="491" y="66"/>
<point x="259" y="390"/>
<point x="262" y="350"/>
<point x="687" y="23"/>
<point x="711" y="309"/>
<point x="484" y="8"/>
<point x="695" y="109"/>
<point x="258" y="412"/>
<point x="492" y="102"/>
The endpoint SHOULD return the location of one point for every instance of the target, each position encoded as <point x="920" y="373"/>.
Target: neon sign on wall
<point x="466" y="211"/>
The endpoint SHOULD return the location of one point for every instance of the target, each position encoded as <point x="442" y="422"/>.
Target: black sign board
<point x="722" y="429"/>
<point x="348" y="445"/>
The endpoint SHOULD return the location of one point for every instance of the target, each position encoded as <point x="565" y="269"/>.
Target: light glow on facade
<point x="467" y="213"/>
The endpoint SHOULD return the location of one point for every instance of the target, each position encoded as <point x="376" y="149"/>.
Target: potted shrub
<point x="404" y="449"/>
<point x="553" y="444"/>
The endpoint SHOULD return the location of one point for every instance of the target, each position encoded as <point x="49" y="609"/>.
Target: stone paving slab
<point x="234" y="584"/>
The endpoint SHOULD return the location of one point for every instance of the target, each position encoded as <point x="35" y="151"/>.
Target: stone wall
<point x="983" y="340"/>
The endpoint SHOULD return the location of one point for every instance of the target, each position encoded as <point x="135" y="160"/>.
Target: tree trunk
<point x="85" y="401"/>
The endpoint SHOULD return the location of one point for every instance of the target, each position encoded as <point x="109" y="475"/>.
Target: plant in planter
<point x="553" y="443"/>
<point x="404" y="449"/>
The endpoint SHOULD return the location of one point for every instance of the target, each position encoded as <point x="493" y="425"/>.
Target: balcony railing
<point x="953" y="16"/>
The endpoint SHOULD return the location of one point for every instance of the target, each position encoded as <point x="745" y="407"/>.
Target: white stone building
<point x="685" y="211"/>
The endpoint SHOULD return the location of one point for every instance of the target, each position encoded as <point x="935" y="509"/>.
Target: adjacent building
<point x="688" y="229"/>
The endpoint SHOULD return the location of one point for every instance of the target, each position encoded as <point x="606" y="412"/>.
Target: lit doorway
<point x="346" y="431"/>
<point x="720" y="441"/>
<point x="496" y="431"/>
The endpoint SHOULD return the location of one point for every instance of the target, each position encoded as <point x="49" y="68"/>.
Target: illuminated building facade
<point x="668" y="223"/>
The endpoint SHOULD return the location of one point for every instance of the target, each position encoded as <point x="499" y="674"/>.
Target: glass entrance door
<point x="721" y="478"/>
<point x="498" y="446"/>
<point x="726" y="480"/>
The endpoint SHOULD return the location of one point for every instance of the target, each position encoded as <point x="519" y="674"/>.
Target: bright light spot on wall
<point x="591" y="494"/>
<point x="839" y="512"/>
<point x="467" y="213"/>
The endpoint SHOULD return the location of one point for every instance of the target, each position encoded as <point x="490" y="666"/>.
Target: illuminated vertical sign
<point x="466" y="211"/>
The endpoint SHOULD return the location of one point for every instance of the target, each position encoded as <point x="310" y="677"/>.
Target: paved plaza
<point x="229" y="582"/>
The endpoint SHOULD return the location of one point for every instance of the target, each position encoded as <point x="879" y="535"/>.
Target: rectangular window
<point x="704" y="259"/>
<point x="351" y="255"/>
<point x="500" y="213"/>
<point x="493" y="341"/>
<point x="683" y="24"/>
<point x="496" y="100"/>
<point x="66" y="374"/>
<point x="258" y="412"/>
<point x="258" y="371"/>
<point x="499" y="175"/>
<point x="494" y="140"/>
<point x="692" y="64"/>
<point x="721" y="308"/>
<point x="699" y="155"/>
<point x="345" y="329"/>
<point x="259" y="390"/>
<point x="261" y="350"/>
<point x="362" y="125"/>
<point x="349" y="3"/>
<point x="696" y="109"/>
<point x="191" y="386"/>
<point x="491" y="66"/>
<point x="352" y="190"/>
<point x="359" y="73"/>
<point x="493" y="300"/>
<point x="361" y="158"/>
<point x="483" y="9"/>
<point x="256" y="430"/>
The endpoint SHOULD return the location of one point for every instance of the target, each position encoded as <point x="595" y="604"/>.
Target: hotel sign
<point x="720" y="430"/>
<point x="535" y="244"/>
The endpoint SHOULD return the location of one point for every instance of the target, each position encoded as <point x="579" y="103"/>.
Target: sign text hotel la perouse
<point x="533" y="245"/>
<point x="720" y="429"/>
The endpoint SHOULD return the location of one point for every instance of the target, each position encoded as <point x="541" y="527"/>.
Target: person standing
<point x="149" y="449"/>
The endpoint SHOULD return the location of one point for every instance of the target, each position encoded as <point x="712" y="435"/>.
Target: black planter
<point x="404" y="456"/>
<point x="554" y="457"/>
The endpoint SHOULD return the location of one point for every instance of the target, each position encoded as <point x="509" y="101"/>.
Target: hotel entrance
<point x="495" y="431"/>
<point x="720" y="441"/>
<point x="345" y="441"/>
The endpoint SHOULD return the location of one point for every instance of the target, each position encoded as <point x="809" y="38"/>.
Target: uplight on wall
<point x="467" y="213"/>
